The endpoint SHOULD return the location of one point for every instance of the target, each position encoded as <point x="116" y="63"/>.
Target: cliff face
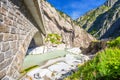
<point x="58" y="22"/>
<point x="106" y="23"/>
<point x="110" y="3"/>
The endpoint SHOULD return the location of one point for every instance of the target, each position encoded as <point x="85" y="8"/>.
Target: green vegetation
<point x="53" y="38"/>
<point x="23" y="72"/>
<point x="93" y="32"/>
<point x="92" y="15"/>
<point x="29" y="69"/>
<point x="63" y="14"/>
<point x="104" y="66"/>
<point x="114" y="43"/>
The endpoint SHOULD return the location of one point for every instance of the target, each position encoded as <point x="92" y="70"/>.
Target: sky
<point x="76" y="8"/>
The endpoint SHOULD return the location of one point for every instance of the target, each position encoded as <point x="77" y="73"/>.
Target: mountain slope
<point x="87" y="20"/>
<point x="105" y="22"/>
<point x="59" y="23"/>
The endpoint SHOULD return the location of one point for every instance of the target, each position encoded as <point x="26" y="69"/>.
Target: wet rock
<point x="74" y="50"/>
<point x="39" y="50"/>
<point x="62" y="67"/>
<point x="59" y="67"/>
<point x="94" y="47"/>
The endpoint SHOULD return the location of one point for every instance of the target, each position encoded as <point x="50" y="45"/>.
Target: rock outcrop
<point x="110" y="3"/>
<point x="59" y="23"/>
<point x="106" y="24"/>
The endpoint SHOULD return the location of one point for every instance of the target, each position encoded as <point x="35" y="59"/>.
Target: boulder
<point x="94" y="47"/>
<point x="74" y="50"/>
<point x="39" y="50"/>
<point x="59" y="67"/>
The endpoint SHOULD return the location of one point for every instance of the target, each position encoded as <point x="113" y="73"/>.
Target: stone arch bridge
<point x="20" y="22"/>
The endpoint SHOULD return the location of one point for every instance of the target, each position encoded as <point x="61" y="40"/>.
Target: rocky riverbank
<point x="59" y="68"/>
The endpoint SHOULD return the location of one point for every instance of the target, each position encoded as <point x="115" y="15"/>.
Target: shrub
<point x="104" y="66"/>
<point x="53" y="38"/>
<point x="114" y="43"/>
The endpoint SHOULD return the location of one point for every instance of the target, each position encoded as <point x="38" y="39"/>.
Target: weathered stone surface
<point x="5" y="64"/>
<point x="1" y="57"/>
<point x="7" y="21"/>
<point x="13" y="30"/>
<point x="1" y="18"/>
<point x="14" y="51"/>
<point x="4" y="29"/>
<point x="5" y="46"/>
<point x="3" y="11"/>
<point x="11" y="16"/>
<point x="1" y="37"/>
<point x="13" y="44"/>
<point x="8" y="37"/>
<point x="8" y="54"/>
<point x="2" y="73"/>
<point x="7" y="78"/>
<point x="12" y="71"/>
<point x="16" y="29"/>
<point x="55" y="22"/>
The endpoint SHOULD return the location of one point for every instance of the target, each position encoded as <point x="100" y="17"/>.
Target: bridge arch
<point x="18" y="26"/>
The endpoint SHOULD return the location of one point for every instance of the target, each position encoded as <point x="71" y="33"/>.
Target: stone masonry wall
<point x="16" y="32"/>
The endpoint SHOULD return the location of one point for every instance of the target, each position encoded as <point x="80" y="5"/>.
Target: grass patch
<point x="114" y="43"/>
<point x="29" y="69"/>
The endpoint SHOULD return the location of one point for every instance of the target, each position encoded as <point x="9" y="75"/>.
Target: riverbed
<point x="54" y="65"/>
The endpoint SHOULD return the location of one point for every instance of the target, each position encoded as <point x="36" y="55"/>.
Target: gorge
<point x="39" y="42"/>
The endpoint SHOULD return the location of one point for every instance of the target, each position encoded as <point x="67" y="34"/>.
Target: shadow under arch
<point x="36" y="41"/>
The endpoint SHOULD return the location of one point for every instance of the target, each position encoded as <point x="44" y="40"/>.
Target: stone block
<point x="4" y="28"/>
<point x="3" y="11"/>
<point x="4" y="5"/>
<point x="5" y="64"/>
<point x="10" y="16"/>
<point x="7" y="78"/>
<point x="7" y="37"/>
<point x="21" y="37"/>
<point x="14" y="51"/>
<point x="14" y="23"/>
<point x="0" y="5"/>
<point x="22" y="32"/>
<point x="5" y="46"/>
<point x="18" y="13"/>
<point x="1" y="18"/>
<point x="15" y="37"/>
<point x="13" y="45"/>
<point x="1" y="37"/>
<point x="1" y="57"/>
<point x="2" y="73"/>
<point x="11" y="71"/>
<point x="13" y="30"/>
<point x="17" y="75"/>
<point x="8" y="54"/>
<point x="7" y="21"/>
